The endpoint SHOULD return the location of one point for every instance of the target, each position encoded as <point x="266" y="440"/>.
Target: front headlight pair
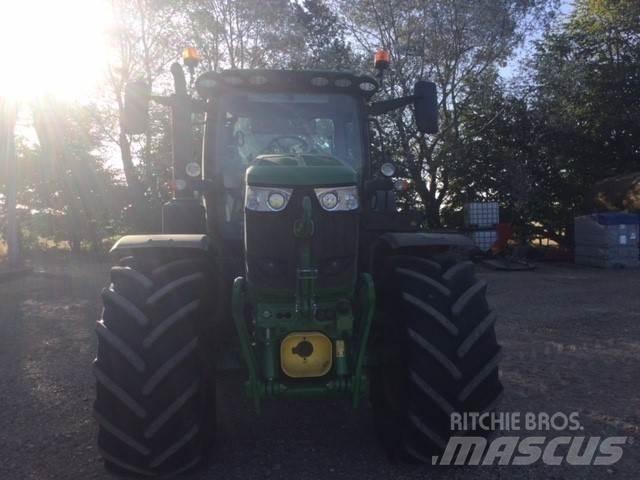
<point x="338" y="199"/>
<point x="260" y="199"/>
<point x="333" y="199"/>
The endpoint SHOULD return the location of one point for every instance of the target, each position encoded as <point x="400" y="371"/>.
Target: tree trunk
<point x="135" y="186"/>
<point x="13" y="239"/>
<point x="431" y="205"/>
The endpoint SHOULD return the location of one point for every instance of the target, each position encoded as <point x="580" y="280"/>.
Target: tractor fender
<point x="419" y="244"/>
<point x="426" y="239"/>
<point x="165" y="241"/>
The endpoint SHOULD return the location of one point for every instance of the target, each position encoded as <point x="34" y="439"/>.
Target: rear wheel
<point x="440" y="354"/>
<point x="154" y="379"/>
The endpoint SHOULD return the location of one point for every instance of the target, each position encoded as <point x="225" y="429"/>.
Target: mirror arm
<point x="197" y="106"/>
<point x="179" y="80"/>
<point x="384" y="106"/>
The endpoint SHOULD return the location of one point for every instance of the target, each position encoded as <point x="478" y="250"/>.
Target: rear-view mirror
<point x="426" y="106"/>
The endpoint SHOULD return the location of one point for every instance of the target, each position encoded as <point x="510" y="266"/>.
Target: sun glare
<point x="52" y="47"/>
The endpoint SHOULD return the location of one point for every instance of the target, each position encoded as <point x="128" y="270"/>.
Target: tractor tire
<point x="440" y="355"/>
<point x="155" y="386"/>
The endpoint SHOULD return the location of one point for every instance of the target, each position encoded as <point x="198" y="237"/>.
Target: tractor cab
<point x="254" y="114"/>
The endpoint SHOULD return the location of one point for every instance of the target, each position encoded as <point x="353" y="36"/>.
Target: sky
<point x="511" y="69"/>
<point x="54" y="47"/>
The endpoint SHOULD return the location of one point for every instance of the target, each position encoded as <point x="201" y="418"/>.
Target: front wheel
<point x="154" y="381"/>
<point x="440" y="354"/>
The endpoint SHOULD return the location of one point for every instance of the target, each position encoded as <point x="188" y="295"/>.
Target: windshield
<point x="269" y="123"/>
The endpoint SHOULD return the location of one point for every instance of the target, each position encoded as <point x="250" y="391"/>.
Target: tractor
<point x="284" y="248"/>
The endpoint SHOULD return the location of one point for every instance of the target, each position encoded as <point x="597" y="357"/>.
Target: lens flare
<point x="56" y="48"/>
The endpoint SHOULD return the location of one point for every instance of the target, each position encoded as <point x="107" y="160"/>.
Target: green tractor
<point x="284" y="245"/>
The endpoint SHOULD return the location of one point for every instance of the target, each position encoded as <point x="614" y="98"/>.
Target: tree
<point x="451" y="42"/>
<point x="70" y="193"/>
<point x="324" y="37"/>
<point x="9" y="164"/>
<point x="146" y="40"/>
<point x="240" y="34"/>
<point x="588" y="77"/>
<point x="571" y="122"/>
<point x="507" y="160"/>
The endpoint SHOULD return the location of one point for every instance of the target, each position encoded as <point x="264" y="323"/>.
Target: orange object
<point x="382" y="59"/>
<point x="190" y="56"/>
<point x="504" y="234"/>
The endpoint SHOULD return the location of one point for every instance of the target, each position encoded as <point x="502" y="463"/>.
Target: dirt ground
<point x="571" y="338"/>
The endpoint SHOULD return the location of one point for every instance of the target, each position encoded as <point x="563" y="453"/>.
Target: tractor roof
<point x="307" y="81"/>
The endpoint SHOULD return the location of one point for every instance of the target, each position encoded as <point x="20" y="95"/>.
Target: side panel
<point x="426" y="239"/>
<point x="177" y="241"/>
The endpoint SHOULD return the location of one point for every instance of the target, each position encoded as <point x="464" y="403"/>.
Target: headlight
<point x="276" y="201"/>
<point x="258" y="80"/>
<point x="338" y="199"/>
<point x="193" y="169"/>
<point x="233" y="80"/>
<point x="368" y="86"/>
<point x="388" y="169"/>
<point x="319" y="81"/>
<point x="342" y="82"/>
<point x="265" y="199"/>
<point x="329" y="200"/>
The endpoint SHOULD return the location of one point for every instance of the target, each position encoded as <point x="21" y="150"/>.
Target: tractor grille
<point x="272" y="250"/>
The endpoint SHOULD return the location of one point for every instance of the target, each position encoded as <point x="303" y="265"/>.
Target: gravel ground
<point x="571" y="338"/>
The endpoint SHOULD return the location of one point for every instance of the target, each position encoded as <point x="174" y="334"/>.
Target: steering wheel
<point x="286" y="144"/>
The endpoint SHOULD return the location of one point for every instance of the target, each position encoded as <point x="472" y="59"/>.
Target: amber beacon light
<point x="381" y="59"/>
<point x="191" y="58"/>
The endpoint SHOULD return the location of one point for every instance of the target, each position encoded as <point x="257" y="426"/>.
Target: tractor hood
<point x="284" y="170"/>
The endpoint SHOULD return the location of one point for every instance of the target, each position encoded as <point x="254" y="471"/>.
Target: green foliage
<point x="65" y="191"/>
<point x="70" y="193"/>
<point x="575" y="122"/>
<point x="324" y="37"/>
<point x="453" y="43"/>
